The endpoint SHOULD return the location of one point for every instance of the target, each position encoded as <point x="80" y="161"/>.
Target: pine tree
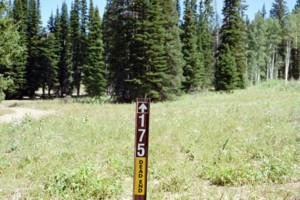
<point x="94" y="78"/>
<point x="226" y="73"/>
<point x="205" y="39"/>
<point x="292" y="34"/>
<point x="75" y="46"/>
<point x="295" y="52"/>
<point x="233" y="33"/>
<point x="173" y="49"/>
<point x="193" y="70"/>
<point x="18" y="68"/>
<point x="138" y="72"/>
<point x="34" y="65"/>
<point x="62" y="33"/>
<point x="10" y="48"/>
<point x="138" y="37"/>
<point x="297" y="61"/>
<point x="49" y="58"/>
<point x="155" y="55"/>
<point x="83" y="32"/>
<point x="117" y="36"/>
<point x="240" y="44"/>
<point x="279" y="11"/>
<point x="178" y="8"/>
<point x="263" y="11"/>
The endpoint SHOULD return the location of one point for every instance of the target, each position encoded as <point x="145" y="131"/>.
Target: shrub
<point x="82" y="184"/>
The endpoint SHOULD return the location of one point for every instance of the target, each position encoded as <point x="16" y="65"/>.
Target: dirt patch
<point x="16" y="114"/>
<point x="5" y="111"/>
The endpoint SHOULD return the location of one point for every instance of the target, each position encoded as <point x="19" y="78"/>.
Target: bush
<point x="82" y="184"/>
<point x="4" y="84"/>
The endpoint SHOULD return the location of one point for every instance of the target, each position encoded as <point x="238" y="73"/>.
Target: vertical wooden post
<point x="141" y="149"/>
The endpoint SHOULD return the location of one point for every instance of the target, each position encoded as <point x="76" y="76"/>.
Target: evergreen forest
<point x="159" y="49"/>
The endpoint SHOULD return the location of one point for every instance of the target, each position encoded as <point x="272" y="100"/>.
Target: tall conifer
<point x="155" y="56"/>
<point x="193" y="70"/>
<point x="75" y="46"/>
<point x="34" y="65"/>
<point x="20" y="62"/>
<point x="62" y="33"/>
<point x="83" y="31"/>
<point x="94" y="76"/>
<point x="205" y="39"/>
<point x="173" y="50"/>
<point x="9" y="48"/>
<point x="233" y="35"/>
<point x="117" y="36"/>
<point x="49" y="58"/>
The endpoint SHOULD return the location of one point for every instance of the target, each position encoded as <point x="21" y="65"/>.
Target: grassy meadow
<point x="241" y="145"/>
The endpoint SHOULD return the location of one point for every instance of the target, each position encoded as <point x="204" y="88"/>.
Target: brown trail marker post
<point x="141" y="149"/>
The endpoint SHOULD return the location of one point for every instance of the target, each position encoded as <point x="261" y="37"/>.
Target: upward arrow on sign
<point x="143" y="107"/>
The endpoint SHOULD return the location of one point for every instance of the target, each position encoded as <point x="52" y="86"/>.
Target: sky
<point x="48" y="6"/>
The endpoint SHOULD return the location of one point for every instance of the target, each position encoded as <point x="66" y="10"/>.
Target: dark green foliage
<point x="205" y="40"/>
<point x="233" y="33"/>
<point x="61" y="32"/>
<point x="279" y="11"/>
<point x="78" y="41"/>
<point x="173" y="47"/>
<point x="75" y="46"/>
<point x="34" y="65"/>
<point x="263" y="11"/>
<point x="49" y="58"/>
<point x="147" y="61"/>
<point x="226" y="70"/>
<point x="17" y="72"/>
<point x="295" y="65"/>
<point x="178" y="8"/>
<point x="193" y="70"/>
<point x="4" y="84"/>
<point x="139" y="38"/>
<point x="141" y="54"/>
<point x="9" y="49"/>
<point x="94" y="78"/>
<point x="155" y="55"/>
<point x="84" y="18"/>
<point x="137" y="60"/>
<point x="295" y="51"/>
<point x="117" y="33"/>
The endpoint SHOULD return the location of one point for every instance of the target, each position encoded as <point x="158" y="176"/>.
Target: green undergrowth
<point x="83" y="183"/>
<point x="241" y="145"/>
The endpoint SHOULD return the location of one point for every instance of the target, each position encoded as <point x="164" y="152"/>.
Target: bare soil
<point x="15" y="114"/>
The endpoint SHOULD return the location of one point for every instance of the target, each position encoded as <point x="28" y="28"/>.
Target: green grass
<point x="242" y="145"/>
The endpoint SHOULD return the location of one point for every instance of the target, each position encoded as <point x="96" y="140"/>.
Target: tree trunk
<point x="287" y="60"/>
<point x="269" y="69"/>
<point x="49" y="92"/>
<point x="273" y="64"/>
<point x="44" y="89"/>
